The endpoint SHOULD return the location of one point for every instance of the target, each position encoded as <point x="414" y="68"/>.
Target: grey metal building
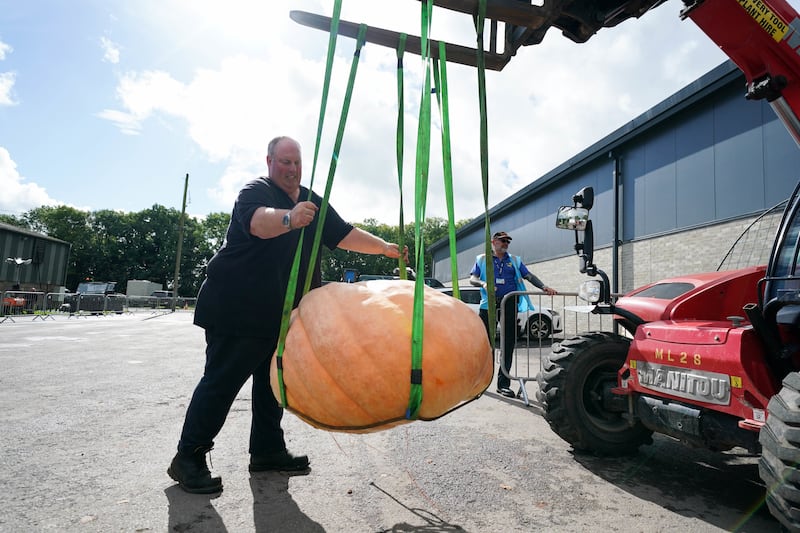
<point x="47" y="269"/>
<point x="673" y="188"/>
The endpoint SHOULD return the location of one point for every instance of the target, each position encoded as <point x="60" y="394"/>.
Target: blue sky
<point x="108" y="104"/>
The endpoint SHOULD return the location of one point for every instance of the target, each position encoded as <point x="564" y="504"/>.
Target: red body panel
<point x="689" y="343"/>
<point x="709" y="347"/>
<point x="716" y="296"/>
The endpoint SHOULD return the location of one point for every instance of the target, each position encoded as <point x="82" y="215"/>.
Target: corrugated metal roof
<point x="22" y="231"/>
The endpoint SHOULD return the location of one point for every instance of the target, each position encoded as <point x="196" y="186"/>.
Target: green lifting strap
<point x="400" y="136"/>
<point x="440" y="75"/>
<point x="421" y="182"/>
<point x="484" y="143"/>
<point x="440" y="78"/>
<point x="420" y="194"/>
<point x="292" y="285"/>
<point x="323" y="210"/>
<point x="337" y="9"/>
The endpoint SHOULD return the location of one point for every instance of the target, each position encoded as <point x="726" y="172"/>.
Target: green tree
<point x="153" y="246"/>
<point x="208" y="235"/>
<point x="211" y="233"/>
<point x="111" y="233"/>
<point x="70" y="225"/>
<point x="192" y="256"/>
<point x="111" y="245"/>
<point x="335" y="261"/>
<point x="202" y="239"/>
<point x="433" y="229"/>
<point x="13" y="221"/>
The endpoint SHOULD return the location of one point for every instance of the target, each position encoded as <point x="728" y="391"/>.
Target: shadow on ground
<point x="273" y="508"/>
<point x="677" y="478"/>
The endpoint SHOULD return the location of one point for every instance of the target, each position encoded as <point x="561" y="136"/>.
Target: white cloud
<point x="6" y="85"/>
<point x="7" y="79"/>
<point x="233" y="18"/>
<point x="239" y="171"/>
<point x="142" y="94"/>
<point x="127" y="123"/>
<point x="18" y="196"/>
<point x="110" y="50"/>
<point x="230" y="112"/>
<point x="4" y="49"/>
<point x="552" y="101"/>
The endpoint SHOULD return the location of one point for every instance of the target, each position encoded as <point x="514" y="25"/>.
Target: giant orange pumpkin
<point x="347" y="357"/>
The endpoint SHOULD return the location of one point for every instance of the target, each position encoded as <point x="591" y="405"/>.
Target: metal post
<point x="176" y="277"/>
<point x="616" y="185"/>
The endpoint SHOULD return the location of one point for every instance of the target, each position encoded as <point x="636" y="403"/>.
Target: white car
<point x="538" y="324"/>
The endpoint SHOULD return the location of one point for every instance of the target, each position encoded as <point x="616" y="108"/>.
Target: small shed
<point x="31" y="260"/>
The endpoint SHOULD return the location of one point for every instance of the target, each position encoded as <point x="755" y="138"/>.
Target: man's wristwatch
<point x="287" y="220"/>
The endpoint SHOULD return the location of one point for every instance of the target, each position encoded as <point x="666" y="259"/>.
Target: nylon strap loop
<point x="334" y="31"/>
<point x="440" y="77"/>
<point x="323" y="210"/>
<point x="484" y="143"/>
<point x="421" y="182"/>
<point x="291" y="289"/>
<point x="421" y="190"/>
<point x="400" y="136"/>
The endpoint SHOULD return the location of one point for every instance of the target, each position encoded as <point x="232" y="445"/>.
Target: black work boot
<point x="281" y="460"/>
<point x="191" y="472"/>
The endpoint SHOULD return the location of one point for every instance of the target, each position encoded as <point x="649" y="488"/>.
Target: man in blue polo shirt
<point x="509" y="271"/>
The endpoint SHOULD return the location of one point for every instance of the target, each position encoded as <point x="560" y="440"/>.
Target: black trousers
<point x="230" y="361"/>
<point x="503" y="380"/>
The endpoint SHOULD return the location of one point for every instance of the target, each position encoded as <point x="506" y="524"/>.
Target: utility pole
<point x="176" y="277"/>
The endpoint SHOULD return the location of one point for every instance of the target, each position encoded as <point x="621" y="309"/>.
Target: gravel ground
<point x="92" y="409"/>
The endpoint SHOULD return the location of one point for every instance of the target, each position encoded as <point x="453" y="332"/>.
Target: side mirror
<point x="576" y="218"/>
<point x="572" y="218"/>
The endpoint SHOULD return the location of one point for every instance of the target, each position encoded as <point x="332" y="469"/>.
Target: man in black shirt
<point x="240" y="306"/>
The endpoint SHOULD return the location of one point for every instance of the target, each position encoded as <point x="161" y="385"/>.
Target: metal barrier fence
<point x="538" y="331"/>
<point x="533" y="338"/>
<point x="159" y="302"/>
<point x="18" y="303"/>
<point x="40" y="305"/>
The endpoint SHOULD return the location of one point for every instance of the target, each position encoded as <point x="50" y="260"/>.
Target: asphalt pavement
<point x="91" y="409"/>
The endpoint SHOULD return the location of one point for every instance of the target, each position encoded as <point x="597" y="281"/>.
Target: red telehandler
<point x="710" y="359"/>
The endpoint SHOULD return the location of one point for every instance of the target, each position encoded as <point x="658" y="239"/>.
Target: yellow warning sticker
<point x="736" y="382"/>
<point x="765" y="18"/>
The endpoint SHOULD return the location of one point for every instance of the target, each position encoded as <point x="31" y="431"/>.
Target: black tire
<point x="571" y="388"/>
<point x="780" y="453"/>
<point x="539" y="327"/>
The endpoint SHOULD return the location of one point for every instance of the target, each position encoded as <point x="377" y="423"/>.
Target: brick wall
<point x="648" y="260"/>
